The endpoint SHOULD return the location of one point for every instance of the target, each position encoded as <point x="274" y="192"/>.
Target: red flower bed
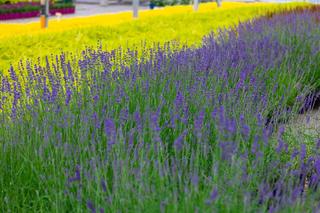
<point x="29" y="10"/>
<point x="20" y="15"/>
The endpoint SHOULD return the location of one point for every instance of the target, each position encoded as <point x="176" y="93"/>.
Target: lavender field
<point x="171" y="129"/>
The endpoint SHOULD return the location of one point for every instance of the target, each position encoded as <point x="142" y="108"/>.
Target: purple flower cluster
<point x="174" y="127"/>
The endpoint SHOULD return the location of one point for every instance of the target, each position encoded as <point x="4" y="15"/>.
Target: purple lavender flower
<point x="195" y="180"/>
<point x="68" y="95"/>
<point x="282" y="146"/>
<point x="77" y="176"/>
<point x="178" y="143"/>
<point x="179" y="101"/>
<point x="245" y="130"/>
<point x="109" y="127"/>
<point x="318" y="143"/>
<point x="104" y="185"/>
<point x="214" y="113"/>
<point x="154" y="118"/>
<point x="124" y="114"/>
<point x="303" y="152"/>
<point x="231" y="126"/>
<point x="110" y="130"/>
<point x="294" y="153"/>
<point x="213" y="196"/>
<point x="198" y="123"/>
<point x="91" y="207"/>
<point x="13" y="74"/>
<point x="138" y="121"/>
<point x="281" y="131"/>
<point x="228" y="149"/>
<point x="317" y="166"/>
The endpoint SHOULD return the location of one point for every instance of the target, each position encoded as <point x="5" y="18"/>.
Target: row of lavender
<point x="194" y="129"/>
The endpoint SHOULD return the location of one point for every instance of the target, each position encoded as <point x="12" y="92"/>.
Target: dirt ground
<point x="307" y="124"/>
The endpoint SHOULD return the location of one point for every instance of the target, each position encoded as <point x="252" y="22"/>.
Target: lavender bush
<point x="189" y="130"/>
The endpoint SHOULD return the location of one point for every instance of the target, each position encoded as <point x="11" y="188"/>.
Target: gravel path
<point x="307" y="124"/>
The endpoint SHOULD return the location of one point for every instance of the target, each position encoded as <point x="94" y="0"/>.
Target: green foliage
<point x="161" y="3"/>
<point x="25" y="8"/>
<point x="8" y="1"/>
<point x="15" y="1"/>
<point x="62" y="5"/>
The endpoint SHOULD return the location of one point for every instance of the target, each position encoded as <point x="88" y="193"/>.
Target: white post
<point x="47" y="12"/>
<point x="104" y="2"/>
<point x="135" y="8"/>
<point x="196" y="5"/>
<point x="219" y="3"/>
<point x="44" y="13"/>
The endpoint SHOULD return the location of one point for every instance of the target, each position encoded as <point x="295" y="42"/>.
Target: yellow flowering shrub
<point x="181" y="23"/>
